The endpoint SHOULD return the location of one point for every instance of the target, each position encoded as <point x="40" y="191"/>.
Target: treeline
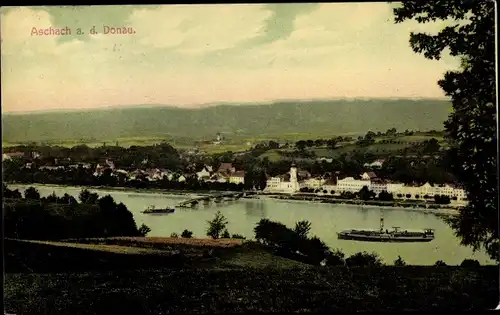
<point x="161" y="155"/>
<point x="367" y="139"/>
<point x="50" y="218"/>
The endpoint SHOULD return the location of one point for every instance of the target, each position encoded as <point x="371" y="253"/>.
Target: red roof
<point x="225" y="167"/>
<point x="238" y="174"/>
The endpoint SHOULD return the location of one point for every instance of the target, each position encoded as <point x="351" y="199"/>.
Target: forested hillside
<point x="314" y="117"/>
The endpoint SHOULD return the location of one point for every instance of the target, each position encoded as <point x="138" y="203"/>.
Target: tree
<point x="187" y="234"/>
<point x="86" y="196"/>
<point x="332" y="143"/>
<point x="471" y="127"/>
<point x="366" y="194"/>
<point x="441" y="199"/>
<point x="470" y="263"/>
<point x="144" y="230"/>
<point x="300" y="145"/>
<point x="440" y="263"/>
<point x="399" y="262"/>
<point x="217" y="225"/>
<point x="302" y="228"/>
<point x="431" y="146"/>
<point x="385" y="196"/>
<point x="32" y="193"/>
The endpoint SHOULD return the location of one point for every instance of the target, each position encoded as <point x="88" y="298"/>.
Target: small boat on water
<point x="153" y="210"/>
<point x="395" y="235"/>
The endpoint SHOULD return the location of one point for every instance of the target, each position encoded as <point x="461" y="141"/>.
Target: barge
<point x="153" y="210"/>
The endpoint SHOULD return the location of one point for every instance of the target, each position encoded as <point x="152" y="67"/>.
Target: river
<point x="326" y="220"/>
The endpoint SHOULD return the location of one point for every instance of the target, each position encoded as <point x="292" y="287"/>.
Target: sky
<point x="192" y="55"/>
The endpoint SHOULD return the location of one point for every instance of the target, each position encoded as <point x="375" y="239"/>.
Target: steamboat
<point x="381" y="235"/>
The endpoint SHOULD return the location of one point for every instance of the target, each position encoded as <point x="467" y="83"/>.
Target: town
<point x="228" y="176"/>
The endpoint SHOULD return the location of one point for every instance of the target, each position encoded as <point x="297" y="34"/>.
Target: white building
<point x="349" y="184"/>
<point x="284" y="184"/>
<point x="205" y="172"/>
<point x="418" y="192"/>
<point x="237" y="177"/>
<point x="377" y="186"/>
<point x="314" y="183"/>
<point x="394" y="188"/>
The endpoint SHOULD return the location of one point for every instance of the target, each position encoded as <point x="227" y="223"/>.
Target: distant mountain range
<point x="334" y="117"/>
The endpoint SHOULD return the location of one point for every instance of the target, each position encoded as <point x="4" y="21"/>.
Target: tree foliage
<point x="471" y="127"/>
<point x="187" y="234"/>
<point x="302" y="228"/>
<point x="216" y="225"/>
<point x="54" y="217"/>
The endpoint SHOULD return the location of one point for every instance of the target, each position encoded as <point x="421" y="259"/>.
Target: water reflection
<point x="255" y="209"/>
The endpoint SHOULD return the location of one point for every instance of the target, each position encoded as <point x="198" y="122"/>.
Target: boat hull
<point x="384" y="238"/>
<point x="159" y="211"/>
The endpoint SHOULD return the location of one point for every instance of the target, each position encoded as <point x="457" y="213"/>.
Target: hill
<point x="321" y="118"/>
<point x="46" y="278"/>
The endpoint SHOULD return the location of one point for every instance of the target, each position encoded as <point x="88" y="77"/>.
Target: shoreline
<point x="441" y="211"/>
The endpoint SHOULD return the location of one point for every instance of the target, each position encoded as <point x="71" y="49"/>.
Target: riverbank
<point x="125" y="189"/>
<point x="104" y="281"/>
<point x="420" y="207"/>
<point x="439" y="210"/>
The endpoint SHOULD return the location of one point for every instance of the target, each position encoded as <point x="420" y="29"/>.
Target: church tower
<point x="293" y="178"/>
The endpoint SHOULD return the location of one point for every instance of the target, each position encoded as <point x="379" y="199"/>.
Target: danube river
<point x="326" y="220"/>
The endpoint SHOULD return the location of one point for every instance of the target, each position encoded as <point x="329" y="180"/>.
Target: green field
<point x="377" y="148"/>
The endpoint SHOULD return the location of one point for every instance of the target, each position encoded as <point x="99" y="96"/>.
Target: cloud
<point x="336" y="33"/>
<point x="198" y="29"/>
<point x="222" y="52"/>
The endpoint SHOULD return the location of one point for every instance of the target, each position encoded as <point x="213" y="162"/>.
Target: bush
<point x="238" y="236"/>
<point x="443" y="200"/>
<point x="470" y="263"/>
<point x="315" y="250"/>
<point x="399" y="262"/>
<point x="174" y="235"/>
<point x="335" y="258"/>
<point x="226" y="234"/>
<point x="440" y="263"/>
<point x="364" y="259"/>
<point x="187" y="234"/>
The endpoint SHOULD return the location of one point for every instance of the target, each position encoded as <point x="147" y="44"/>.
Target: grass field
<point x="43" y="278"/>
